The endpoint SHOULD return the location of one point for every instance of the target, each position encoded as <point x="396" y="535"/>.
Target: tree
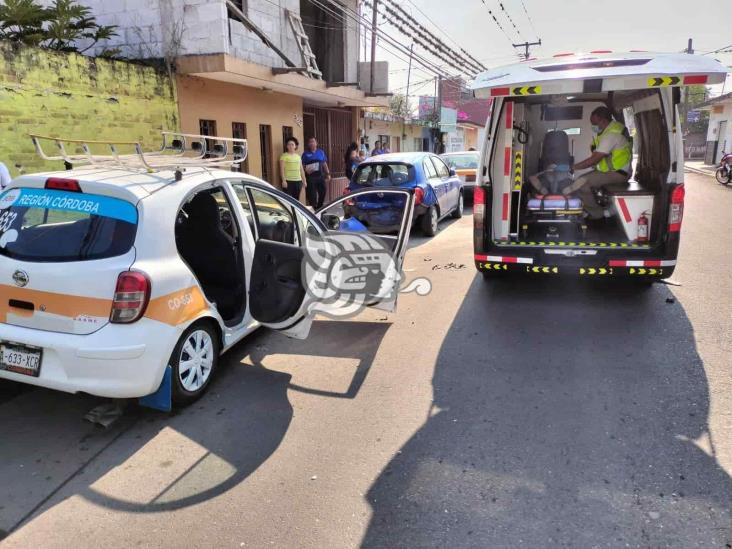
<point x="63" y="26"/>
<point x="695" y="97"/>
<point x="399" y="106"/>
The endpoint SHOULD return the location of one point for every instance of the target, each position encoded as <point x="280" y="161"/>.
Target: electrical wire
<point x="498" y="24"/>
<point x="346" y="12"/>
<point x="531" y="22"/>
<point x="508" y="16"/>
<point x="469" y="56"/>
<point x="444" y="48"/>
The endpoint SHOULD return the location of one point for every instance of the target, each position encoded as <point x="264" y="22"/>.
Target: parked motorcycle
<point x="724" y="170"/>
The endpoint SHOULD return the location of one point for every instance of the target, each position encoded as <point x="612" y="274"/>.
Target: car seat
<point x="210" y="252"/>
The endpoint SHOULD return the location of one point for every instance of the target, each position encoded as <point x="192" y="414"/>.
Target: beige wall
<point x="200" y="98"/>
<point x="375" y="128"/>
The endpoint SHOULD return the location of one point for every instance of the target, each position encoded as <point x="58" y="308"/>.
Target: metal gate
<point x="333" y="128"/>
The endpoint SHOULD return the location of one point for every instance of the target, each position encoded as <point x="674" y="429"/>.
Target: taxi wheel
<point x="194" y="361"/>
<point x="457" y="213"/>
<point x="429" y="221"/>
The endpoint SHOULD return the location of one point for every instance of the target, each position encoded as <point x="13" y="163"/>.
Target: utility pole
<point x="438" y="107"/>
<point x="526" y="45"/>
<point x="374" y="15"/>
<point x="406" y="97"/>
<point x="685" y="120"/>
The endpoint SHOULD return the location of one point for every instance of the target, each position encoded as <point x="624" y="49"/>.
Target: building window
<point x="265" y="149"/>
<point x="385" y="141"/>
<point x="326" y="29"/>
<point x="207" y="127"/>
<point x="286" y="133"/>
<point x="242" y="5"/>
<point x="239" y="131"/>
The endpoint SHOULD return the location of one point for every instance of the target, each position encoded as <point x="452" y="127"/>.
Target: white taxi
<point x="112" y="278"/>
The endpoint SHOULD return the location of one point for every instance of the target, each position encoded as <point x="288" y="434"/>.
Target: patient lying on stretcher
<point x="553" y="180"/>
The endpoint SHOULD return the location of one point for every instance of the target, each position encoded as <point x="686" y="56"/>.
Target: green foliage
<point x="695" y="97"/>
<point x="399" y="106"/>
<point x="63" y="26"/>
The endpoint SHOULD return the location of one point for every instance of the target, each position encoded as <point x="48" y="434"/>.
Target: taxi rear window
<point x="53" y="225"/>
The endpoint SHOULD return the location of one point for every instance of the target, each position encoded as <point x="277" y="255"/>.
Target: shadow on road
<point x="225" y="436"/>
<point x="563" y="415"/>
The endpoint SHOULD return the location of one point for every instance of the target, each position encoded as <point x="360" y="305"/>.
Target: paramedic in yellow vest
<point x="611" y="157"/>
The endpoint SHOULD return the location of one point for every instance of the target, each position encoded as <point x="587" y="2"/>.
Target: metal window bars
<point x="178" y="151"/>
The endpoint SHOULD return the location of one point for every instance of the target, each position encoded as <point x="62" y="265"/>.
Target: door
<point x="451" y="182"/>
<point x="722" y="147"/>
<point x="437" y="184"/>
<point x="304" y="263"/>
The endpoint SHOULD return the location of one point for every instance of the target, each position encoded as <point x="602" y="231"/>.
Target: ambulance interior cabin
<point x="537" y="132"/>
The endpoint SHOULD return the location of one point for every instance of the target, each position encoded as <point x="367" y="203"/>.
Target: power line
<point x="359" y="19"/>
<point x="422" y="36"/>
<point x="531" y="22"/>
<point x="444" y="48"/>
<point x="508" y="16"/>
<point x="444" y="32"/>
<point x="498" y="24"/>
<point x="723" y="49"/>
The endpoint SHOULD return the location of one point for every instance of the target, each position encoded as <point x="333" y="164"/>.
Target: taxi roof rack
<point x="178" y="151"/>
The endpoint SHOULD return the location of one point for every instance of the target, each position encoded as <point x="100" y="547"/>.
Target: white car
<point x="110" y="275"/>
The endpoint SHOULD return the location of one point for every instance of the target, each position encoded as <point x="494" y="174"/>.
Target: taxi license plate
<point x="20" y="359"/>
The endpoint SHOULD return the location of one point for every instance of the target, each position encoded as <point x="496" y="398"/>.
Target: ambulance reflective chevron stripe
<point x="526" y="90"/>
<point x="504" y="259"/>
<point x="658" y="81"/>
<point x="517" y="178"/>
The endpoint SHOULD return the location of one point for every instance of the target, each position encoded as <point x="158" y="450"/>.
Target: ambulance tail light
<point x="61" y="184"/>
<point x="676" y="211"/>
<point x="478" y="217"/>
<point x="131" y="297"/>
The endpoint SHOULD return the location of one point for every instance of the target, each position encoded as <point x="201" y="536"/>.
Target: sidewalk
<point x="698" y="166"/>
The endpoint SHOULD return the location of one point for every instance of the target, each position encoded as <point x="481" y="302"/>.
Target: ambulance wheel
<point x="457" y="213"/>
<point x="194" y="361"/>
<point x="429" y="221"/>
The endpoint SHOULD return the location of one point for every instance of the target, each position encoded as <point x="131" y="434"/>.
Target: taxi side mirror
<point x="453" y="173"/>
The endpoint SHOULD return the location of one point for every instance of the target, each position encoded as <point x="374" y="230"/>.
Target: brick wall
<point x="63" y="94"/>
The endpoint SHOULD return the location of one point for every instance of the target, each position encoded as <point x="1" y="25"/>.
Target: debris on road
<point x="105" y="414"/>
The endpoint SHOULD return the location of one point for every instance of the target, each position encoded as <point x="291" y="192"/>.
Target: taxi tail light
<point x="676" y="211"/>
<point x="61" y="184"/>
<point x="131" y="297"/>
<point x="418" y="195"/>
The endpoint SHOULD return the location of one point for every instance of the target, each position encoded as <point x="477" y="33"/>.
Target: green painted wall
<point x="70" y="95"/>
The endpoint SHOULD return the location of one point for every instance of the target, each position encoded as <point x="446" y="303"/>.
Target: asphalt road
<point x="537" y="413"/>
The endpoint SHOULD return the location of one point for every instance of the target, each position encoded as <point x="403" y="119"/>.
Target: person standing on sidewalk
<point x="292" y="173"/>
<point x="317" y="173"/>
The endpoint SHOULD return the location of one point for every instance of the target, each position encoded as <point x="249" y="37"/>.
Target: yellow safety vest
<point x="620" y="156"/>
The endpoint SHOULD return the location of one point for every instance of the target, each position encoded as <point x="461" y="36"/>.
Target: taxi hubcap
<point x="196" y="360"/>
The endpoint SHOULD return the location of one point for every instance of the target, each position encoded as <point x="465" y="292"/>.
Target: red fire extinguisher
<point x="642" y="228"/>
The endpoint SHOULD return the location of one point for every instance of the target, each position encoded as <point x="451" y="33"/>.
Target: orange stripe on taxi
<point x="177" y="307"/>
<point x="66" y="305"/>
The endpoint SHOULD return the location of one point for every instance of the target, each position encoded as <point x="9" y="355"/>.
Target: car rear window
<point x="387" y="174"/>
<point x="54" y="225"/>
<point x="462" y="161"/>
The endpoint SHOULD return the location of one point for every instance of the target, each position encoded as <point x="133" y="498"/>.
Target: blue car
<point x="438" y="191"/>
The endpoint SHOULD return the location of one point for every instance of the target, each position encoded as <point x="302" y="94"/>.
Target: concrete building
<point x="241" y="70"/>
<point x="719" y="134"/>
<point x="394" y="132"/>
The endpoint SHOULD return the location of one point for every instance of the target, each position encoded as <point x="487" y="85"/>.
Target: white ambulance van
<point x="540" y="126"/>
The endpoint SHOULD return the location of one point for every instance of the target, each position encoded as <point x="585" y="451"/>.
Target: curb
<point x="699" y="171"/>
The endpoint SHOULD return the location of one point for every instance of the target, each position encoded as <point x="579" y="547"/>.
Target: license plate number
<point x="20" y="359"/>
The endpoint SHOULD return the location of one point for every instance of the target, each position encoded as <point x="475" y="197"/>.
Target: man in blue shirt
<point x="317" y="172"/>
<point x="377" y="149"/>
